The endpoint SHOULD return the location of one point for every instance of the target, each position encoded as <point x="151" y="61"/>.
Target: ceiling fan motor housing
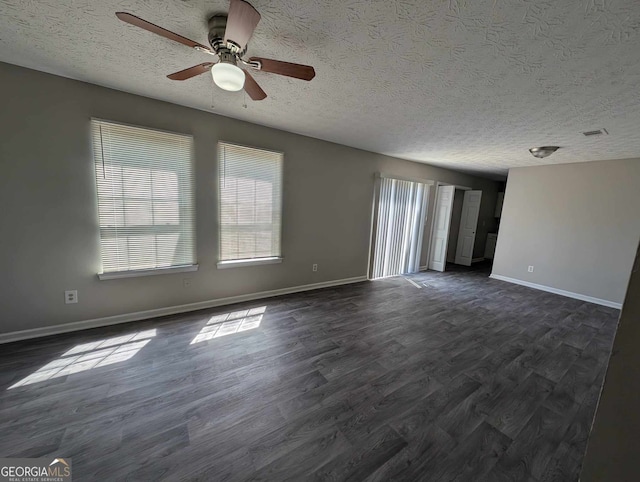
<point x="217" y="27"/>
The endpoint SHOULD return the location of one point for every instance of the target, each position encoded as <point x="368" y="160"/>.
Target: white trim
<point x="147" y="272"/>
<point x="432" y="218"/>
<point x="557" y="291"/>
<point x="238" y="263"/>
<point x="477" y="260"/>
<point x="169" y="310"/>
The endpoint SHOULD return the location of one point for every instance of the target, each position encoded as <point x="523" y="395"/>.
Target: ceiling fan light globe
<point x="228" y="76"/>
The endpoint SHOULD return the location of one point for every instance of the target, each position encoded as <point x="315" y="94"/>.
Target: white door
<point x="441" y="225"/>
<point x="468" y="224"/>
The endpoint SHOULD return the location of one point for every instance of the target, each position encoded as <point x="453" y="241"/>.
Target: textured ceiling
<point x="468" y="85"/>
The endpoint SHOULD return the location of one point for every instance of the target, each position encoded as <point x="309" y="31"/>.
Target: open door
<point x="468" y="225"/>
<point x="441" y="225"/>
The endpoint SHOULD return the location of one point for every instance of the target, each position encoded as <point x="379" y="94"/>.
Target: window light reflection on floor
<point x="230" y="323"/>
<point x="90" y="355"/>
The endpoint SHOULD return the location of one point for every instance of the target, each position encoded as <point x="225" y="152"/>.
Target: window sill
<point x="248" y="262"/>
<point x="147" y="272"/>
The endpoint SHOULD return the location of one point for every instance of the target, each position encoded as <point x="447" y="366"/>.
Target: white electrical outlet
<point x="71" y="297"/>
<point x="530" y="269"/>
<point x="314" y="267"/>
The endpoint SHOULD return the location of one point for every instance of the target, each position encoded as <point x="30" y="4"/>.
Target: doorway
<point x="454" y="226"/>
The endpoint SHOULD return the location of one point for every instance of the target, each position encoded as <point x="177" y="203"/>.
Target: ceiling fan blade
<point x="163" y="32"/>
<point x="252" y="88"/>
<point x="241" y="22"/>
<point x="191" y="71"/>
<point x="297" y="71"/>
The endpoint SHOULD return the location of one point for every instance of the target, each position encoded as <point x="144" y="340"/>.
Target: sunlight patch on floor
<point x="230" y="323"/>
<point x="87" y="356"/>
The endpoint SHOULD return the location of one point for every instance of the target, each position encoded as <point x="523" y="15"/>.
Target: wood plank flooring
<point x="465" y="379"/>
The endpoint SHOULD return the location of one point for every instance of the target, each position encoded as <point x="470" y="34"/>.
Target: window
<point x="146" y="203"/>
<point x="250" y="205"/>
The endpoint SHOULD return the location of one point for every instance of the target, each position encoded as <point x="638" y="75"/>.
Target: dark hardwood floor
<point x="465" y="378"/>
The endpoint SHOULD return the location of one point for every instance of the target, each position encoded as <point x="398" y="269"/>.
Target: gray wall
<point x="49" y="239"/>
<point x="612" y="452"/>
<point x="577" y="224"/>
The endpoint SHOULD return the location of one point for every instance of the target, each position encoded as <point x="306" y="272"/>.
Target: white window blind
<point x="402" y="208"/>
<point x="250" y="202"/>
<point x="146" y="202"/>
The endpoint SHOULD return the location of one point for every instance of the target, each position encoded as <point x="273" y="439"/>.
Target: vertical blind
<point x="146" y="202"/>
<point x="250" y="202"/>
<point x="400" y="226"/>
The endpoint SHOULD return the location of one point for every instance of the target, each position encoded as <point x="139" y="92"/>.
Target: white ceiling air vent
<point x="599" y="132"/>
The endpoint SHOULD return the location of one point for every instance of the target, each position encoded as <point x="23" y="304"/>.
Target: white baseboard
<point x="424" y="268"/>
<point x="557" y="291"/>
<point x="477" y="260"/>
<point x="169" y="310"/>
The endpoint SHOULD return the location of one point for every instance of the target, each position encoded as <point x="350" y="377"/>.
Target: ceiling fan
<point x="228" y="38"/>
